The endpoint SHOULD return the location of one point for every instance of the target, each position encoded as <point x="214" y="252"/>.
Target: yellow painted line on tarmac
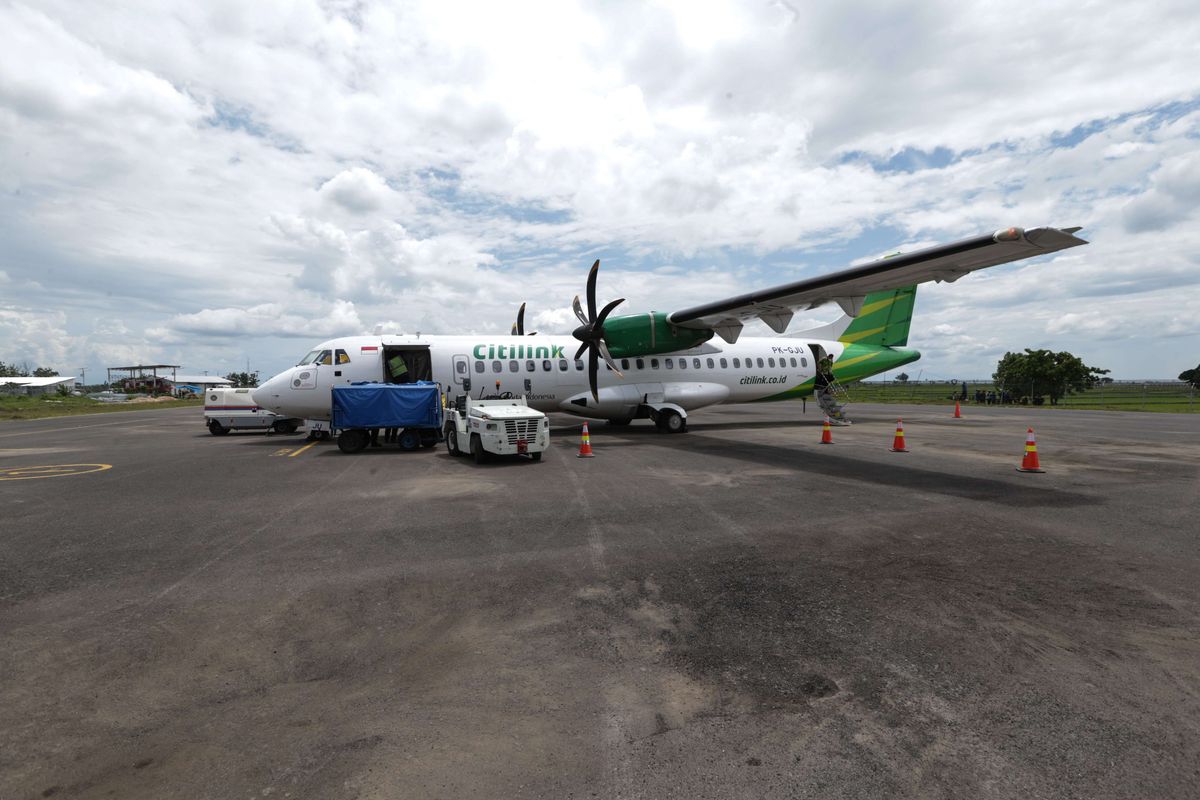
<point x="49" y="471"/>
<point x="302" y="449"/>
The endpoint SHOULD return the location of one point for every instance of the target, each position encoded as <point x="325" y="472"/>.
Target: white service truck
<point x="227" y="409"/>
<point x="485" y="428"/>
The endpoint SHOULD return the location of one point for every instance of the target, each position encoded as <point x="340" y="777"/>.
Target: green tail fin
<point x="884" y="319"/>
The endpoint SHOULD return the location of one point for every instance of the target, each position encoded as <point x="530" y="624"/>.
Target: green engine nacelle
<point x="647" y="334"/>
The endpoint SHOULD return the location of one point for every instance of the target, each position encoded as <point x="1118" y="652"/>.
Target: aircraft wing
<point x="947" y="262"/>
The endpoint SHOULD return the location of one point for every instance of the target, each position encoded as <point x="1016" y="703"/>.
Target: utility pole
<point x="82" y="376"/>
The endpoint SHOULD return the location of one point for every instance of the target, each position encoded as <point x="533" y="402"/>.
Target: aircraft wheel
<point x="452" y="442"/>
<point x="352" y="441"/>
<point x="216" y="428"/>
<point x="410" y="440"/>
<point x="671" y="422"/>
<point x="477" y="452"/>
<point x="620" y="423"/>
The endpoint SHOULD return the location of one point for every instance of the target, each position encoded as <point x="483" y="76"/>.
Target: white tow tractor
<point x="505" y="426"/>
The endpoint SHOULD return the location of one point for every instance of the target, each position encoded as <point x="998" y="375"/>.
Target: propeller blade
<point x="608" y="308"/>
<point x="579" y="352"/>
<point x="579" y="311"/>
<point x="608" y="359"/>
<point x="593" y="368"/>
<point x="591" y="291"/>
<point x="514" y="330"/>
<point x="521" y="321"/>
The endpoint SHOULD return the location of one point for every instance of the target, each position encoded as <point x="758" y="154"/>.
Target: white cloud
<point x="274" y="170"/>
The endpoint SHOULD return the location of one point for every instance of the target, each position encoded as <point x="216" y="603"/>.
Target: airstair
<point x="833" y="400"/>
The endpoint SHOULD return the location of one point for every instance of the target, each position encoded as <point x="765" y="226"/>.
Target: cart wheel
<point x="352" y="441"/>
<point x="477" y="452"/>
<point x="410" y="440"/>
<point x="429" y="438"/>
<point x="285" y="426"/>
<point x="216" y="428"/>
<point x="452" y="442"/>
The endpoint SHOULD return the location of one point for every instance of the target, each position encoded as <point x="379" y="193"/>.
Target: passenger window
<point x="546" y="365"/>
<point x="696" y="363"/>
<point x="530" y="366"/>
<point x="579" y="364"/>
<point x="625" y="364"/>
<point x="724" y="363"/>
<point x="760" y="363"/>
<point x="670" y="363"/>
<point x="737" y="363"/>
<point x="793" y="362"/>
<point x="804" y="361"/>
<point x="513" y="366"/>
<point x="479" y="366"/>
<point x="683" y="363"/>
<point x="562" y="365"/>
<point x="497" y="366"/>
<point x="641" y="363"/>
<point x="460" y="367"/>
<point x="770" y="362"/>
<point x="342" y="358"/>
<point x="654" y="363"/>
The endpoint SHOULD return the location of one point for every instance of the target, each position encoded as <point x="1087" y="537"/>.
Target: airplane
<point x="661" y="366"/>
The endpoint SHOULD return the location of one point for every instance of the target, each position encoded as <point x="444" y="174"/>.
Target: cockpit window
<point x="319" y="357"/>
<point x="342" y="357"/>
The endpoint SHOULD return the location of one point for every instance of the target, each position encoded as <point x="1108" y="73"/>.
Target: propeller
<point x="518" y="328"/>
<point x="591" y="332"/>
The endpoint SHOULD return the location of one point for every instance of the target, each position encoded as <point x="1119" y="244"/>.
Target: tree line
<point x="22" y="371"/>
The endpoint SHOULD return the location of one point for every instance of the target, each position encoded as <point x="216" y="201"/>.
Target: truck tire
<point x="670" y="421"/>
<point x="452" y="442"/>
<point x="285" y="426"/>
<point x="410" y="439"/>
<point x="536" y="456"/>
<point x="216" y="428"/>
<point x="352" y="441"/>
<point x="477" y="452"/>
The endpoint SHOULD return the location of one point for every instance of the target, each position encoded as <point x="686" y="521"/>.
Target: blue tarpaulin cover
<point x="387" y="405"/>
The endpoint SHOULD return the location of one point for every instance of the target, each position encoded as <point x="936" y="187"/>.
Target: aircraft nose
<point x="270" y="395"/>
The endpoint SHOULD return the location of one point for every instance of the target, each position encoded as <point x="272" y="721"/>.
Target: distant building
<point x="161" y="379"/>
<point x="196" y="384"/>
<point x="35" y="386"/>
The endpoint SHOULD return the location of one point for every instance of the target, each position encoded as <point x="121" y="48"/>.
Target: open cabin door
<point x="407" y="364"/>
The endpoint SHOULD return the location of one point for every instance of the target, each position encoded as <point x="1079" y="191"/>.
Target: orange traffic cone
<point x="898" y="442"/>
<point x="1030" y="462"/>
<point x="585" y="445"/>
<point x="957" y="411"/>
<point x="827" y="433"/>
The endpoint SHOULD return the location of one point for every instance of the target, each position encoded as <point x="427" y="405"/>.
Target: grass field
<point x="1174" y="396"/>
<point x="20" y="407"/>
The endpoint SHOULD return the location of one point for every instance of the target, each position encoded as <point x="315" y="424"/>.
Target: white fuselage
<point x="543" y="369"/>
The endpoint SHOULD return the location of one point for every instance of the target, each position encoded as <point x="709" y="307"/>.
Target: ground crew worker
<point x="825" y="371"/>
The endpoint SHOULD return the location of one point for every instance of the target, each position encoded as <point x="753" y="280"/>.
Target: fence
<point x="1117" y="395"/>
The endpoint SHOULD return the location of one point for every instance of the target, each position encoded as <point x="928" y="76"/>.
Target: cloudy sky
<point x="219" y="184"/>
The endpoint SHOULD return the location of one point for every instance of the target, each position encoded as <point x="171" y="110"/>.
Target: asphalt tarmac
<point x="737" y="611"/>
